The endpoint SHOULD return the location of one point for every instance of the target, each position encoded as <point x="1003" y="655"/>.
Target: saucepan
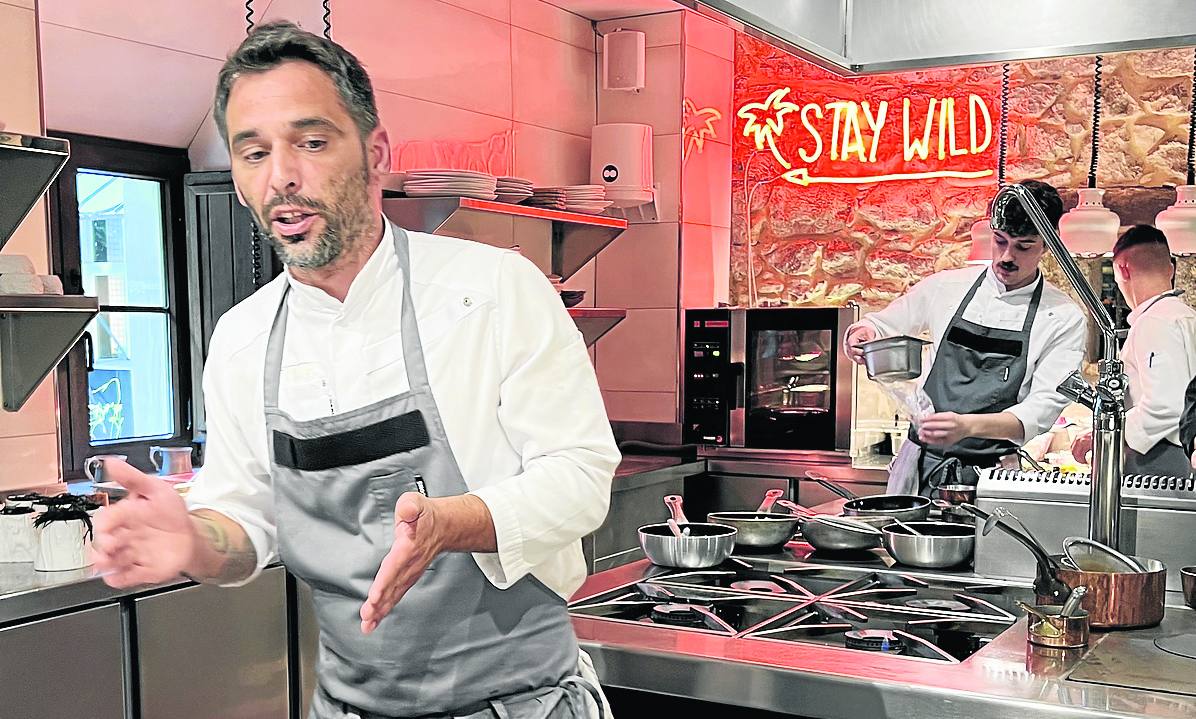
<point x="762" y="529"/>
<point x="1123" y="591"/>
<point x="906" y="507"/>
<point x="840" y="534"/>
<point x="930" y="544"/>
<point x="956" y="493"/>
<point x="684" y="544"/>
<point x="893" y="358"/>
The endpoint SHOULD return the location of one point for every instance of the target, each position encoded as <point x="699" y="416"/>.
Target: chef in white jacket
<point x="1003" y="338"/>
<point x="410" y="423"/>
<point x="1159" y="355"/>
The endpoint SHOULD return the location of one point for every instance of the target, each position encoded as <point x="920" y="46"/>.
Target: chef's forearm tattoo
<point x="234" y="556"/>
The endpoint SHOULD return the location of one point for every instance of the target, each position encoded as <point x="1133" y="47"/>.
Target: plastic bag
<point x="913" y="404"/>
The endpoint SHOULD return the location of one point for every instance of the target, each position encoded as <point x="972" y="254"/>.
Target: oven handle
<point x="738" y="370"/>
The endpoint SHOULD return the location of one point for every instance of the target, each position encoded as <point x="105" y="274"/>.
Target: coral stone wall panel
<point x="827" y="243"/>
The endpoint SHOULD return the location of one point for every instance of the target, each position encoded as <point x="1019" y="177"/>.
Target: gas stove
<point x="861" y="609"/>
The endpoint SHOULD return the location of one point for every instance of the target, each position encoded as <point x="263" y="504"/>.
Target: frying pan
<point x="906" y="507"/>
<point x="761" y="529"/>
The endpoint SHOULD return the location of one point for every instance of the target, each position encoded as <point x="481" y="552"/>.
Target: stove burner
<point x="678" y="615"/>
<point x="942" y="605"/>
<point x="761" y="586"/>
<point x="874" y="640"/>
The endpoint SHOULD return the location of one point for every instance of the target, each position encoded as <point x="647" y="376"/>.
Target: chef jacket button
<point x="468" y="301"/>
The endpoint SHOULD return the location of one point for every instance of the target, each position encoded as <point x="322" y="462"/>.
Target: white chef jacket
<point x="508" y="369"/>
<point x="1057" y="334"/>
<point x="1160" y="359"/>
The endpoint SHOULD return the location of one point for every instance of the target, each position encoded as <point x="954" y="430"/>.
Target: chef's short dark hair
<point x="271" y="44"/>
<point x="1140" y="235"/>
<point x="1011" y="218"/>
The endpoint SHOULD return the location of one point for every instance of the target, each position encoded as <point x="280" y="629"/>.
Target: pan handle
<point x="842" y="492"/>
<point x="770" y="498"/>
<point x="673" y="502"/>
<point x="795" y="508"/>
<point x="1046" y="583"/>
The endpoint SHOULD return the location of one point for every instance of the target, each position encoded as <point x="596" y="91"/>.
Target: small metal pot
<point x="1188" y="575"/>
<point x="957" y="493"/>
<point x="707" y="545"/>
<point x="941" y="544"/>
<point x="1051" y="629"/>
<point x="701" y="545"/>
<point x="893" y="358"/>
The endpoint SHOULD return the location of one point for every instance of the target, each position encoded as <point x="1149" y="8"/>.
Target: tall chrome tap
<point x="1106" y="399"/>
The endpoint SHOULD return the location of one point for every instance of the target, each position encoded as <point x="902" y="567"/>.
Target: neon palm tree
<point x="766" y="121"/>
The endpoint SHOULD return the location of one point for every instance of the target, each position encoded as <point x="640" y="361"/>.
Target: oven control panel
<point x="710" y="380"/>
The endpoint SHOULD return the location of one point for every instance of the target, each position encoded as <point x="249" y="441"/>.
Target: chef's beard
<point x="346" y="219"/>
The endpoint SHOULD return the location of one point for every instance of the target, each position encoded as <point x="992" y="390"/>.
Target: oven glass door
<point x="790" y="364"/>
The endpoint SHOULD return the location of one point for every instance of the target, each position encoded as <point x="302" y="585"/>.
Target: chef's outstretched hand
<point x="943" y="429"/>
<point x="416" y="544"/>
<point x="145" y="538"/>
<point x="857" y="336"/>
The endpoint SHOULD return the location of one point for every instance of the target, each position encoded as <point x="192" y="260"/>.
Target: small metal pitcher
<point x="171" y="460"/>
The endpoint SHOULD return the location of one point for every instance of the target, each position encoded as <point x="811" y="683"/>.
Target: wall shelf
<point x="576" y="237"/>
<point x="596" y="321"/>
<point x="36" y="332"/>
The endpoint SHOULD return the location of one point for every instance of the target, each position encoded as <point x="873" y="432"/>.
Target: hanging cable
<point x="328" y="19"/>
<point x="1096" y="92"/>
<point x="1192" y="126"/>
<point x="1003" y="135"/>
<point x="256" y="256"/>
<point x="248" y="16"/>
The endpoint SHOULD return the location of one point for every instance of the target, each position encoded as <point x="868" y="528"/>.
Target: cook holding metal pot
<point x="1002" y="339"/>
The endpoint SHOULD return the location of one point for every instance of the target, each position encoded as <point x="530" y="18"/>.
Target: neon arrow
<point x="801" y="176"/>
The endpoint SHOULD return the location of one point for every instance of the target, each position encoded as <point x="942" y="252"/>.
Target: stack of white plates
<point x="514" y="189"/>
<point x="590" y="199"/>
<point x="450" y="183"/>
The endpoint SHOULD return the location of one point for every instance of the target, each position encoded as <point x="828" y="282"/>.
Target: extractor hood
<point x="36" y="331"/>
<point x="874" y="36"/>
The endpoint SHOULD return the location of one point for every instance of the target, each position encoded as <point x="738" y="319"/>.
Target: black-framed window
<point x="117" y="234"/>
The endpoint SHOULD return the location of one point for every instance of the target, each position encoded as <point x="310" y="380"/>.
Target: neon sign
<point x="698" y="125"/>
<point x="849" y="134"/>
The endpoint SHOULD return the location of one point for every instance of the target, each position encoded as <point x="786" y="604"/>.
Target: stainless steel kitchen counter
<point x="1004" y="680"/>
<point x="26" y="594"/>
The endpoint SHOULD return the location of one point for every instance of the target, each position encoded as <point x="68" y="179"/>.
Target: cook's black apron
<point x="976" y="370"/>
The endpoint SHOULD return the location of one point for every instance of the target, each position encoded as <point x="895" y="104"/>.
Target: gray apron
<point x="976" y="370"/>
<point x="1164" y="458"/>
<point x="454" y="643"/>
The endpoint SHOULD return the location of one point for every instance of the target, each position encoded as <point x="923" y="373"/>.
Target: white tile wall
<point x="551" y="21"/>
<point x="497" y="9"/>
<point x="659" y="29"/>
<point x="639" y="269"/>
<point x="641" y="406"/>
<point x="659" y="103"/>
<point x="29" y="461"/>
<point x="549" y="157"/>
<point x="640" y="353"/>
<point x="433" y="51"/>
<point x="20" y="110"/>
<point x="555" y="85"/>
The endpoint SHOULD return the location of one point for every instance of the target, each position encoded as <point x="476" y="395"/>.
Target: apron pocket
<point x="386" y="490"/>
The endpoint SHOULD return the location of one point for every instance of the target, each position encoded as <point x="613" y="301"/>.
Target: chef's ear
<point x="377" y="147"/>
<point x="240" y="197"/>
